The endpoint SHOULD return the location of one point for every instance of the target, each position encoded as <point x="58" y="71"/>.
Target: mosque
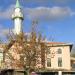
<point x="57" y="60"/>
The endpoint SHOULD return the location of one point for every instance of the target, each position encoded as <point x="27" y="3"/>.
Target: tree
<point x="26" y="51"/>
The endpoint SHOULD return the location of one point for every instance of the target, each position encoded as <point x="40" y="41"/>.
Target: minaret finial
<point x="17" y="4"/>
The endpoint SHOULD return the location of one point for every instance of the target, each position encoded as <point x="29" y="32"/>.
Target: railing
<point x="20" y="72"/>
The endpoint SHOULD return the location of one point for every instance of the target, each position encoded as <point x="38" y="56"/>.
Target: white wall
<point x="65" y="58"/>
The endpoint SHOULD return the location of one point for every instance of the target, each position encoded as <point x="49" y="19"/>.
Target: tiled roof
<point x="55" y="43"/>
<point x="58" y="44"/>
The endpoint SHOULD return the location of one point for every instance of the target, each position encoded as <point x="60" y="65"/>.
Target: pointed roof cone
<point x="17" y="4"/>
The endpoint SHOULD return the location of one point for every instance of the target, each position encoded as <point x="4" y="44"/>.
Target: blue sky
<point x="56" y="18"/>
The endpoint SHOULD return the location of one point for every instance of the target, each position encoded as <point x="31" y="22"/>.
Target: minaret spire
<point x="17" y="4"/>
<point x="17" y="16"/>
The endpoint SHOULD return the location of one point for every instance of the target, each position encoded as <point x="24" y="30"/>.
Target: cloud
<point x="6" y="13"/>
<point x="45" y="13"/>
<point x="41" y="13"/>
<point x="3" y="31"/>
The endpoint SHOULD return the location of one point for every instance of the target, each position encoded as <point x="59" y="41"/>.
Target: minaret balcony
<point x="14" y="16"/>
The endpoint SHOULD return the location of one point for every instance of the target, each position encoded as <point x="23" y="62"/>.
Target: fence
<point x="12" y="72"/>
<point x="22" y="72"/>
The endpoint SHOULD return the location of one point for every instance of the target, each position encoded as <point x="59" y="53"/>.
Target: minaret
<point x="17" y="17"/>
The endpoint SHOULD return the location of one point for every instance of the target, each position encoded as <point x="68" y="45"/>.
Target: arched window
<point x="59" y="51"/>
<point x="48" y="50"/>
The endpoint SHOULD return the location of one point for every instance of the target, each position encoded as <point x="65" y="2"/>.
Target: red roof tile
<point x="55" y="43"/>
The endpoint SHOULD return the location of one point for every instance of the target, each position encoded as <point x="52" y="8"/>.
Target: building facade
<point x="56" y="57"/>
<point x="59" y="56"/>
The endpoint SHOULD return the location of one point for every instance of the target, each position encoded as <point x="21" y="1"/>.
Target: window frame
<point x="48" y="62"/>
<point x="59" y="61"/>
<point x="59" y="51"/>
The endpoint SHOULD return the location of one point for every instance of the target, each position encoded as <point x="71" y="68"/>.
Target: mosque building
<point x="58" y="58"/>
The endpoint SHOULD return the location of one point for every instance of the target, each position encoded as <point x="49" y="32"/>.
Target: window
<point x="59" y="51"/>
<point x="48" y="50"/>
<point x="48" y="62"/>
<point x="59" y="62"/>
